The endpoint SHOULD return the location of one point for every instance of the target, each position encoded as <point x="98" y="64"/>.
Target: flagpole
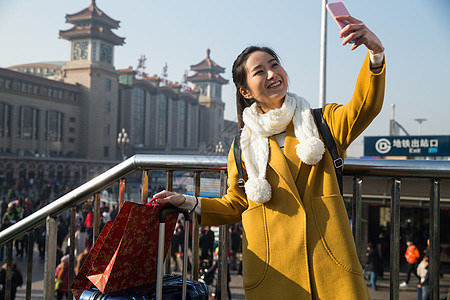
<point x="323" y="54"/>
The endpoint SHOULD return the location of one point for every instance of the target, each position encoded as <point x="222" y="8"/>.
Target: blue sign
<point x="438" y="145"/>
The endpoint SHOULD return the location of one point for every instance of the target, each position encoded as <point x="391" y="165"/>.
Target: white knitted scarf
<point x="255" y="143"/>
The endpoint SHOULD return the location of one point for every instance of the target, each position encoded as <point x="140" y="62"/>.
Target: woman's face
<point x="266" y="81"/>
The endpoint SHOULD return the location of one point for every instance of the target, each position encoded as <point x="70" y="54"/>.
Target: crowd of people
<point x="416" y="261"/>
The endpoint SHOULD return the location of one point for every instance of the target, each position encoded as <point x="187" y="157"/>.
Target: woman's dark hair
<point x="240" y="78"/>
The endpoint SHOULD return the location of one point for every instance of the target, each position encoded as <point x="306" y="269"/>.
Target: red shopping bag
<point x="81" y="282"/>
<point x="129" y="254"/>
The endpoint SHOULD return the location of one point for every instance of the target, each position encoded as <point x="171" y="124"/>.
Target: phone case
<point x="338" y="9"/>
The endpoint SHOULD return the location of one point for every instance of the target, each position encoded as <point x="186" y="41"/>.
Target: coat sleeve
<point x="228" y="209"/>
<point x="348" y="121"/>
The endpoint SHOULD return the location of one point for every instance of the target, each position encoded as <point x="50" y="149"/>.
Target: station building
<point x="67" y="115"/>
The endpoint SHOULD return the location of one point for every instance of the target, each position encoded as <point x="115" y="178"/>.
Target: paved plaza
<point x="237" y="291"/>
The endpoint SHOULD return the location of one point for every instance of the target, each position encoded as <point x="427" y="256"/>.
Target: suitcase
<point x="167" y="287"/>
<point x="171" y="290"/>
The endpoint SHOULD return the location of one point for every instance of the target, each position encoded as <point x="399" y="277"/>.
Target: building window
<point x="107" y="129"/>
<point x="108" y="84"/>
<point x="23" y="87"/>
<point x="54" y="126"/>
<point x="71" y="140"/>
<point x="217" y="91"/>
<point x="71" y="129"/>
<point x="5" y="120"/>
<point x="106" y="151"/>
<point x="162" y="120"/>
<point x="138" y="116"/>
<point x="72" y="119"/>
<point x="182" y="124"/>
<point x="28" y="123"/>
<point x="94" y="50"/>
<point x="108" y="106"/>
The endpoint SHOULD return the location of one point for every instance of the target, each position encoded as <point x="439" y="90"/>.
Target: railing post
<point x="195" y="229"/>
<point x="50" y="258"/>
<point x="29" y="264"/>
<point x="9" y="259"/>
<point x="434" y="239"/>
<point x="121" y="193"/>
<point x="169" y="187"/>
<point x="395" y="239"/>
<point x="96" y="216"/>
<point x="356" y="213"/>
<point x="73" y="215"/>
<point x="144" y="187"/>
<point x="223" y="246"/>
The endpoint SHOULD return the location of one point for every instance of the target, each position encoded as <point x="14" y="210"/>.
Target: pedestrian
<point x="5" y="224"/>
<point x="16" y="280"/>
<point x="373" y="265"/>
<point x="62" y="278"/>
<point x="62" y="231"/>
<point x="235" y="249"/>
<point x="81" y="240"/>
<point x="82" y="257"/>
<point x="423" y="290"/>
<point x="297" y="241"/>
<point x="412" y="256"/>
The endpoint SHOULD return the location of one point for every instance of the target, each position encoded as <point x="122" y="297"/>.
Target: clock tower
<point x="91" y="66"/>
<point x="208" y="81"/>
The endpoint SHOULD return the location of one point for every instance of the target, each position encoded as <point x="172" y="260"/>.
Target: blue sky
<point x="416" y="36"/>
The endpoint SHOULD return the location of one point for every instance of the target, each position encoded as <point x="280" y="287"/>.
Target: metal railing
<point x="358" y="169"/>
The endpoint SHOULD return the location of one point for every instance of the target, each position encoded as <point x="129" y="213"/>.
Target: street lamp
<point x="123" y="141"/>
<point x="419" y="125"/>
<point x="219" y="148"/>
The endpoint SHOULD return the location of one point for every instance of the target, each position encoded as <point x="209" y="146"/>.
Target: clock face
<point x="105" y="53"/>
<point x="203" y="89"/>
<point x="80" y="50"/>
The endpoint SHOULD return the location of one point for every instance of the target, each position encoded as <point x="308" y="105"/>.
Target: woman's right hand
<point x="357" y="30"/>
<point x="167" y="197"/>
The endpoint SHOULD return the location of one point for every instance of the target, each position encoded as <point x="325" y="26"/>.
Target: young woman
<point x="297" y="242"/>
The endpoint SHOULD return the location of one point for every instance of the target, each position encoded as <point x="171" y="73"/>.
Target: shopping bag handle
<point x="168" y="209"/>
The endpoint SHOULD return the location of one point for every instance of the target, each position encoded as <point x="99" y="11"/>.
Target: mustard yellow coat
<point x="299" y="244"/>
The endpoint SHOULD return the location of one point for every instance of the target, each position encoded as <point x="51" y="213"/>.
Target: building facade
<point x="73" y="111"/>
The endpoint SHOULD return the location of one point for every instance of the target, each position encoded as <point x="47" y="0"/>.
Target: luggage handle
<point x="169" y="210"/>
<point x="162" y="230"/>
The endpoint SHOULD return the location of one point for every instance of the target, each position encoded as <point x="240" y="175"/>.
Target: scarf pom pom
<point x="258" y="190"/>
<point x="311" y="152"/>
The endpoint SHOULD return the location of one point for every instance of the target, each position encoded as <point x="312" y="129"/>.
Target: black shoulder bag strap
<point x="331" y="145"/>
<point x="237" y="158"/>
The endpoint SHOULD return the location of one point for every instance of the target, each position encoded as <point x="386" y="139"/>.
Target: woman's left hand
<point x="359" y="32"/>
<point x="166" y="197"/>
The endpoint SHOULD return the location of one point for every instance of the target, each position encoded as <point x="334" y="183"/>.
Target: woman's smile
<point x="274" y="84"/>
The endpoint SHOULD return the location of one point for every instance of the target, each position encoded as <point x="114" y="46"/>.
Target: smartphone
<point x="338" y="9"/>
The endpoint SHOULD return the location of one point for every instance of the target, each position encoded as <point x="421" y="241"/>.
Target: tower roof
<point x="92" y="23"/>
<point x="207" y="65"/>
<point x="92" y="13"/>
<point x="207" y="70"/>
